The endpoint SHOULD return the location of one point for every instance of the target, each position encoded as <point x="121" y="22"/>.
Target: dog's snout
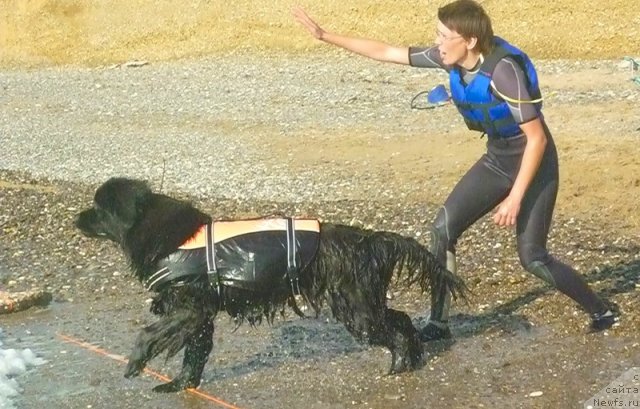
<point x="81" y="218"/>
<point x="86" y="222"/>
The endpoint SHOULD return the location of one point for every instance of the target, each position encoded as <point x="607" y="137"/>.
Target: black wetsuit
<point x="489" y="182"/>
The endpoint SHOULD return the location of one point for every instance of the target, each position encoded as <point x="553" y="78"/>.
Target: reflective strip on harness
<point x="292" y="256"/>
<point x="157" y="277"/>
<point x="212" y="270"/>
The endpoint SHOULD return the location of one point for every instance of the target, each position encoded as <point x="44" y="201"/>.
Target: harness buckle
<point x="292" y="273"/>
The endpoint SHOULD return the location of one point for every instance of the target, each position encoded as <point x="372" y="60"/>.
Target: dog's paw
<point x="406" y="362"/>
<point x="134" y="368"/>
<point x="399" y="365"/>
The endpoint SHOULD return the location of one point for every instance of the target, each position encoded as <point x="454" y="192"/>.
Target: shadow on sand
<point x="622" y="278"/>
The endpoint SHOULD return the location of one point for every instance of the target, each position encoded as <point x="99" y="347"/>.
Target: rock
<point x="19" y="301"/>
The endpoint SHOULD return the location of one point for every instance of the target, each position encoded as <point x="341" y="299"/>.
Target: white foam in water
<point x="13" y="363"/>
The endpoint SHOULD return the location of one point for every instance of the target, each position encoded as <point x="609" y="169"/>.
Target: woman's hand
<point x="311" y="26"/>
<point x="374" y="49"/>
<point x="507" y="212"/>
<point x="531" y="158"/>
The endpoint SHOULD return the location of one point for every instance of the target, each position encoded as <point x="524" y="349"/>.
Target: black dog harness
<point x="255" y="255"/>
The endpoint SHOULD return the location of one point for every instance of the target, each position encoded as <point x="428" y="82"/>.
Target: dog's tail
<point x="413" y="263"/>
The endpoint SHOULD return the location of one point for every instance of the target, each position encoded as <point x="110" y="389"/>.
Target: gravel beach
<point x="207" y="126"/>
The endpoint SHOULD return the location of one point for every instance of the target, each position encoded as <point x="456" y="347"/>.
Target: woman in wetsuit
<point x="495" y="87"/>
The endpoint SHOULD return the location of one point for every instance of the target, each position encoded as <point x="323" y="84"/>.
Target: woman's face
<point x="452" y="46"/>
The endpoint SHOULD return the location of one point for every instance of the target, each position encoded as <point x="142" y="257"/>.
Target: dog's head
<point x="147" y="226"/>
<point x="117" y="205"/>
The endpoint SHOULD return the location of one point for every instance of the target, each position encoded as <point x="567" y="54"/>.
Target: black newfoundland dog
<point x="253" y="274"/>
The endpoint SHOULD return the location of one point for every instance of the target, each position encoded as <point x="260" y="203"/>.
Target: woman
<point x="495" y="87"/>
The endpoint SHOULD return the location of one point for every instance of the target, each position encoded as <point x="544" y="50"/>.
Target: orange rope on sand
<point x="156" y="375"/>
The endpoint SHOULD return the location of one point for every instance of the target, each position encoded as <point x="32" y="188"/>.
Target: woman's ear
<point x="471" y="43"/>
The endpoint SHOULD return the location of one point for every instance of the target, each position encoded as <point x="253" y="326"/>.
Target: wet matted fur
<point x="350" y="272"/>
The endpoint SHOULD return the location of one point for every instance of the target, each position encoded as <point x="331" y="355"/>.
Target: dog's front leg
<point x="171" y="333"/>
<point x="196" y="354"/>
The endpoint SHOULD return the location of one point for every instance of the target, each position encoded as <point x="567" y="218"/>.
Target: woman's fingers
<point x="303" y="18"/>
<point x="503" y="218"/>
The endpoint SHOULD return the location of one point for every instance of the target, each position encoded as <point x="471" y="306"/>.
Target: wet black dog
<point x="350" y="271"/>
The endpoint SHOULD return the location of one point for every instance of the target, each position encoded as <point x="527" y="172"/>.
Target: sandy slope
<point x="97" y="32"/>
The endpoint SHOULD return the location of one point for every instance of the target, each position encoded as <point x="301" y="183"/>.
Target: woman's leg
<point x="482" y="188"/>
<point x="532" y="230"/>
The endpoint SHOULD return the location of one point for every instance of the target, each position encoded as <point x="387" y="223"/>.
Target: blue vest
<point x="480" y="108"/>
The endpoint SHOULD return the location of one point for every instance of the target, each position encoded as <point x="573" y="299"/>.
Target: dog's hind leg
<point x="370" y="321"/>
<point x="196" y="354"/>
<point x="405" y="346"/>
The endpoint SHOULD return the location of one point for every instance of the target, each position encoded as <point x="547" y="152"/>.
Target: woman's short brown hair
<point x="468" y="19"/>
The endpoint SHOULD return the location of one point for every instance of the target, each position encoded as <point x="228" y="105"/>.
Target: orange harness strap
<point x="232" y="228"/>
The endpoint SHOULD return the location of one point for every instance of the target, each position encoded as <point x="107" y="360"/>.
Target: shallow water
<point x="312" y="363"/>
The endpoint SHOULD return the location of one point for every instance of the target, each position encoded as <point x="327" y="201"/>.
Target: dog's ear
<point x="123" y="198"/>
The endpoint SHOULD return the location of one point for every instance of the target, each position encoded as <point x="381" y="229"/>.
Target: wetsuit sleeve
<point x="424" y="57"/>
<point x="510" y="80"/>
